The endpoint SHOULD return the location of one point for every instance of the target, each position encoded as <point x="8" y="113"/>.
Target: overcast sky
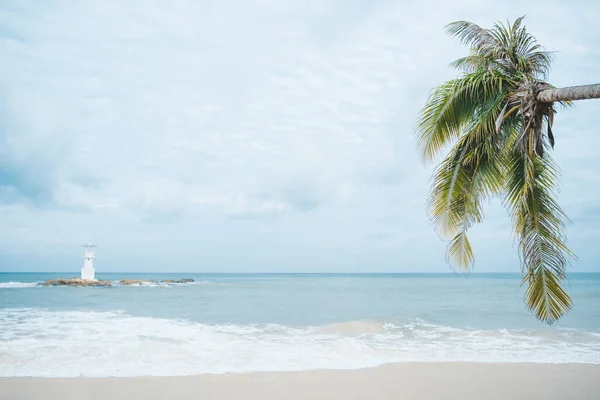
<point x="264" y="135"/>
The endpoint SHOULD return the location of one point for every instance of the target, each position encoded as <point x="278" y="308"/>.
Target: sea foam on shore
<point x="100" y="344"/>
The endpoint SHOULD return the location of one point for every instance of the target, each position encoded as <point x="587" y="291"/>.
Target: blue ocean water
<point x="253" y="322"/>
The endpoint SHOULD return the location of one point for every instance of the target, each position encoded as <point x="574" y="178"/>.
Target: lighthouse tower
<point x="87" y="272"/>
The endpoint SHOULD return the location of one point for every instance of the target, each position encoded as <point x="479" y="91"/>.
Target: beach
<point x="392" y="381"/>
<point x="268" y="336"/>
<point x="281" y="200"/>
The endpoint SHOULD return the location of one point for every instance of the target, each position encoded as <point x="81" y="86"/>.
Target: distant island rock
<point x="75" y="282"/>
<point x="182" y="280"/>
<point x="127" y="282"/>
<point x="185" y="280"/>
<point x="124" y="282"/>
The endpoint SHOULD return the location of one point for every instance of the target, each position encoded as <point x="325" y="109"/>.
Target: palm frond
<point x="469" y="175"/>
<point x="539" y="227"/>
<point x="460" y="254"/>
<point x="545" y="295"/>
<point x="452" y="106"/>
<point x="471" y="34"/>
<point x="471" y="63"/>
<point x="492" y="123"/>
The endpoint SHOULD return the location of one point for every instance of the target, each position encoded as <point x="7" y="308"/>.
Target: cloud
<point x="272" y="123"/>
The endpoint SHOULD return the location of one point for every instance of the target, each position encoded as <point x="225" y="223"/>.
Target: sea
<point x="228" y="323"/>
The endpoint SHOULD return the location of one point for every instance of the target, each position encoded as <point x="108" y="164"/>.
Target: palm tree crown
<point x="499" y="135"/>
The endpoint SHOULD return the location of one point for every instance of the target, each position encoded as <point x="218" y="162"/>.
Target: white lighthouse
<point x="87" y="272"/>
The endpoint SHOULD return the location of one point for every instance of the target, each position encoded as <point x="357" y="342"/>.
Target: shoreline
<point x="421" y="380"/>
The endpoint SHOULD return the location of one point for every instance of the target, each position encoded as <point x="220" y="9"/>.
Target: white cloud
<point x="267" y="127"/>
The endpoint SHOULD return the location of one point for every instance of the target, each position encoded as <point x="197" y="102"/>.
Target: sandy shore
<point x="393" y="381"/>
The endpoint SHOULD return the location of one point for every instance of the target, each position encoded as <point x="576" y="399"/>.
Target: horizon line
<point x="288" y="273"/>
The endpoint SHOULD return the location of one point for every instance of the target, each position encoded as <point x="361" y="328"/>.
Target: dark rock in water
<point x="123" y="282"/>
<point x="75" y="282"/>
<point x="182" y="280"/>
<point x="127" y="282"/>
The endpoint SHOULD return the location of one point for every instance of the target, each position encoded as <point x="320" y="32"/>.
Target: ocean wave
<point x="97" y="344"/>
<point x="18" y="285"/>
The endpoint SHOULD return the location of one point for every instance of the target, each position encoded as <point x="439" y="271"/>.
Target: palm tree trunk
<point x="570" y="93"/>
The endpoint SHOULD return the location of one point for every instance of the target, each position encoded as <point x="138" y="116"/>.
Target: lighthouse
<point x="87" y="272"/>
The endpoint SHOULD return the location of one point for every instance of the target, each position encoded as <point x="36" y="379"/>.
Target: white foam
<point x="77" y="343"/>
<point x="18" y="285"/>
<point x="162" y="284"/>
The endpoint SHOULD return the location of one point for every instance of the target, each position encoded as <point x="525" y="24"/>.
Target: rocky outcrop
<point x="75" y="282"/>
<point x="127" y="282"/>
<point x="123" y="282"/>
<point x="182" y="280"/>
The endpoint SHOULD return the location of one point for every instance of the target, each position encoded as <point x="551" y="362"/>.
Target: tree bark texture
<point x="570" y="93"/>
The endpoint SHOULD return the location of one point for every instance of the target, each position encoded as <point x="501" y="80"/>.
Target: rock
<point x="123" y="282"/>
<point x="127" y="282"/>
<point x="182" y="280"/>
<point x="75" y="282"/>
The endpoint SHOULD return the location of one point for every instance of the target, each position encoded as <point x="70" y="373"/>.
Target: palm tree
<point x="496" y="120"/>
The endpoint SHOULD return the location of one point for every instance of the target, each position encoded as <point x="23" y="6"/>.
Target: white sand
<point x="393" y="381"/>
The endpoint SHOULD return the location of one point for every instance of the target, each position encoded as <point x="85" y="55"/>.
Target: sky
<point x="257" y="135"/>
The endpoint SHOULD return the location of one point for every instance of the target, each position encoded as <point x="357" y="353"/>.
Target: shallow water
<point x="251" y="322"/>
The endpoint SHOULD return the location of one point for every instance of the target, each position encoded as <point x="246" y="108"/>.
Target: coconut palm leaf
<point x="452" y="106"/>
<point x="492" y="123"/>
<point x="539" y="227"/>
